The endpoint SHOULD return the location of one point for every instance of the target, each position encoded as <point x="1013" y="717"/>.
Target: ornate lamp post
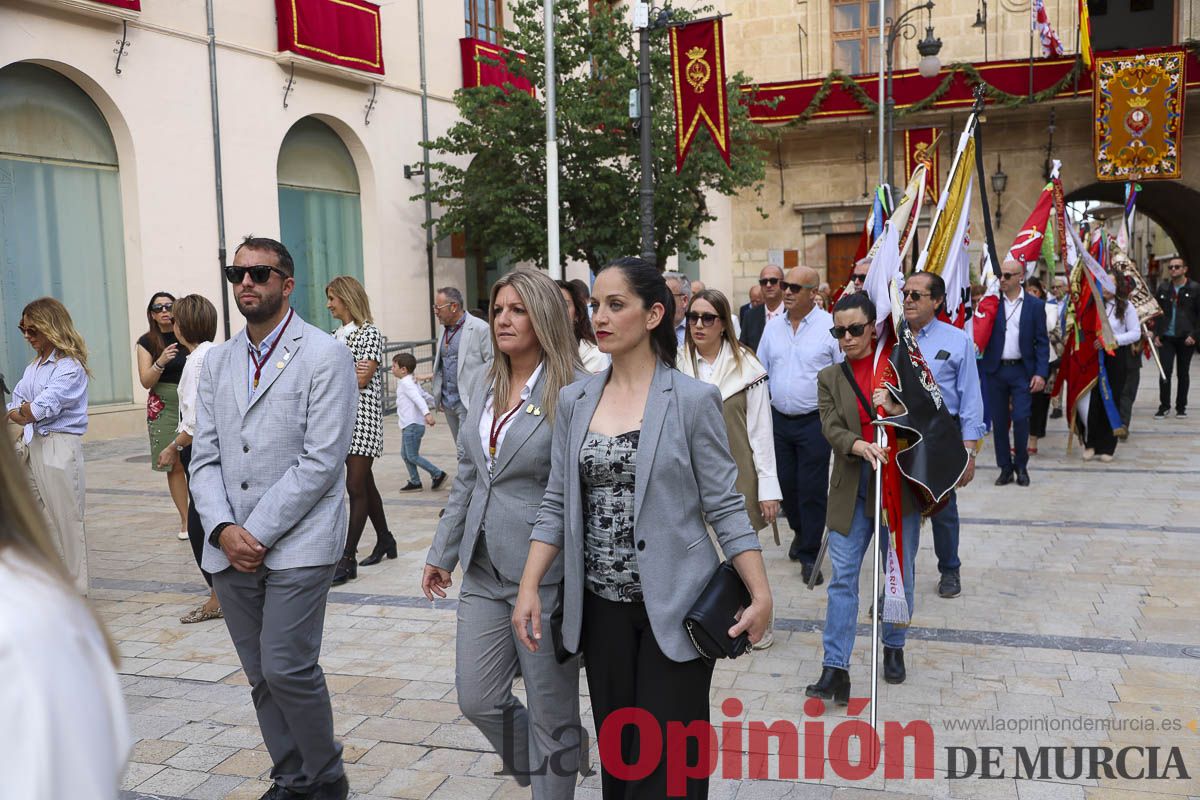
<point x="928" y="47"/>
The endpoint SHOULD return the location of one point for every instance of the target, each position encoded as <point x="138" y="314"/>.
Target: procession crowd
<point x="615" y="444"/>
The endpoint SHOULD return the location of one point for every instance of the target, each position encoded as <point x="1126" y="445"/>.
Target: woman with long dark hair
<point x="347" y="301"/>
<point x="503" y="465"/>
<point x="640" y="464"/>
<point x="1092" y="422"/>
<point x="160" y="361"/>
<point x="593" y="360"/>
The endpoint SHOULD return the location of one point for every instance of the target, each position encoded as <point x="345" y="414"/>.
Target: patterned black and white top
<point x="606" y="467"/>
<point x="366" y="344"/>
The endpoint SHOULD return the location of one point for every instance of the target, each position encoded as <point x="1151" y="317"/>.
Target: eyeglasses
<point x="839" y="331"/>
<point x="1004" y="276"/>
<point x="915" y="295"/>
<point x="768" y="281"/>
<point x="858" y="278"/>
<point x="795" y="288"/>
<point x="679" y="296"/>
<point x="436" y="307"/>
<point x="259" y="273"/>
<point x="1171" y="267"/>
<point x="704" y="320"/>
<point x="159" y="307"/>
<point x="27" y="330"/>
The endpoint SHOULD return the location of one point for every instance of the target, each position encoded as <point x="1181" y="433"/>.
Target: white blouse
<point x="1127" y="329"/>
<point x="760" y="431"/>
<point x="594" y="360"/>
<point x="64" y="732"/>
<point x="189" y="388"/>
<point x="488" y="416"/>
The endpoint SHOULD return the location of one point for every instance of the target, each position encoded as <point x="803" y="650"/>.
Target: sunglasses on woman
<point x="158" y="307"/>
<point x="27" y="330"/>
<point x="258" y="274"/>
<point x="839" y="331"/>
<point x="705" y="320"/>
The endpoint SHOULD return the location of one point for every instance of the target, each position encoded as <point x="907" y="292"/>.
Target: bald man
<point x="795" y="346"/>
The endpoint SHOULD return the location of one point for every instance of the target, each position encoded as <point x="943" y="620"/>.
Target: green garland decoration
<point x="974" y="79"/>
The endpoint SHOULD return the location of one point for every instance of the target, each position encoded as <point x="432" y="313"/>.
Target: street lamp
<point x="999" y="183"/>
<point x="929" y="47"/>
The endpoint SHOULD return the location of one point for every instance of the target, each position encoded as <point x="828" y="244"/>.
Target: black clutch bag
<point x="561" y="654"/>
<point x="715" y="612"/>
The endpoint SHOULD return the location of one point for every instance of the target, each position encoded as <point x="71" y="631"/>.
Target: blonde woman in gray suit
<point x="504" y="463"/>
<point x="640" y="463"/>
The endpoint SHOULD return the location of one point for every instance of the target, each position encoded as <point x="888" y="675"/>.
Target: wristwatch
<point x="214" y="538"/>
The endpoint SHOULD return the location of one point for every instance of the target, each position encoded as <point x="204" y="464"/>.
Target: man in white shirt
<point x="794" y="348"/>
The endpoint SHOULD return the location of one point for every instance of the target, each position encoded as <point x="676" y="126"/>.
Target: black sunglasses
<point x="768" y="281"/>
<point x="157" y="307"/>
<point x="856" y="330"/>
<point x="705" y="320"/>
<point x="1171" y="267"/>
<point x="795" y="288"/>
<point x="1010" y="276"/>
<point x="27" y="330"/>
<point x="915" y="295"/>
<point x="259" y="274"/>
<point x="858" y="278"/>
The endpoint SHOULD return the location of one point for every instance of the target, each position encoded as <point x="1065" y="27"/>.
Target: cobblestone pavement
<point x="1079" y="616"/>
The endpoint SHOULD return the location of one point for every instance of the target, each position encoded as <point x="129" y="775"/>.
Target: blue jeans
<point x="945" y="535"/>
<point x="846" y="553"/>
<point x="411" y="453"/>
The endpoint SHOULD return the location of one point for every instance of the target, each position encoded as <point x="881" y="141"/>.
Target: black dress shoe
<point x="411" y="486"/>
<point x="1006" y="477"/>
<point x="1056" y="414"/>
<point x="338" y="790"/>
<point x="347" y="570"/>
<point x="949" y="584"/>
<point x="1022" y="477"/>
<point x="806" y="573"/>
<point x="385" y="546"/>
<point x="893" y="665"/>
<point x="438" y="481"/>
<point x="277" y="792"/>
<point x="834" y="684"/>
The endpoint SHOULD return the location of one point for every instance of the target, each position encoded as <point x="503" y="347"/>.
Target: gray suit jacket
<point x="474" y="360"/>
<point x="505" y="506"/>
<point x="276" y="465"/>
<point x="685" y="475"/>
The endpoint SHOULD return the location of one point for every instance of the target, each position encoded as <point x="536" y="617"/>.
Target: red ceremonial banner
<point x="1028" y="245"/>
<point x="132" y="5"/>
<point x="483" y="64"/>
<point x="345" y="33"/>
<point x="919" y="148"/>
<point x="698" y="69"/>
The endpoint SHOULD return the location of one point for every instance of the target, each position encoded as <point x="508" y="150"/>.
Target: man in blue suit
<point x="1016" y="363"/>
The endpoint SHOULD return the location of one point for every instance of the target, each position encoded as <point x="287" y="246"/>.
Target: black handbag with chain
<point x="715" y="612"/>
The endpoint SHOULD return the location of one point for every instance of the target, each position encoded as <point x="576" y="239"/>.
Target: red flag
<point x="1028" y="244"/>
<point x="1080" y="367"/>
<point x="985" y="320"/>
<point x="698" y="69"/>
<point x="920" y="147"/>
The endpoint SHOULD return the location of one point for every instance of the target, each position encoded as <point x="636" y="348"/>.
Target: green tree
<point x="500" y="199"/>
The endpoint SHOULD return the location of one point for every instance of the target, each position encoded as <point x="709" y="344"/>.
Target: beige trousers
<point x="55" y="465"/>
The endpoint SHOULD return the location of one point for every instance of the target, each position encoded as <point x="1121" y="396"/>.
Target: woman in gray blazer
<point x="640" y="462"/>
<point x="504" y="463"/>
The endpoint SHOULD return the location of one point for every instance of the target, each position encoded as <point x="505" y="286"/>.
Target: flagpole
<point x="879" y="93"/>
<point x="553" y="260"/>
<point x="876" y="568"/>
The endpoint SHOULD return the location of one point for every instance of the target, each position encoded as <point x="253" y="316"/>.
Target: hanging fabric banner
<point x="345" y="33"/>
<point x="1138" y="103"/>
<point x="698" y="70"/>
<point x="484" y="64"/>
<point x="920" y="147"/>
<point x="131" y="5"/>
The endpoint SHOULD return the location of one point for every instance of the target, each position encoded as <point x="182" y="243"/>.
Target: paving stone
<point x="172" y="782"/>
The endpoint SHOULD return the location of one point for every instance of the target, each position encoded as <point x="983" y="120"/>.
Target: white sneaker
<point x="1105" y="457"/>
<point x="183" y="536"/>
<point x="1088" y="454"/>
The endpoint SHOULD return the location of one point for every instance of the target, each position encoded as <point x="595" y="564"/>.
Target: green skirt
<point x="165" y="420"/>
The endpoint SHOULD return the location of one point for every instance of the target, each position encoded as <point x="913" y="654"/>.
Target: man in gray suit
<point x="267" y="476"/>
<point x="464" y="355"/>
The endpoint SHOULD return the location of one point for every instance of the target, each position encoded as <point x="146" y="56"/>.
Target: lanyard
<point x="258" y="365"/>
<point x="1016" y="310"/>
<point x="498" y="423"/>
<point x="448" y="334"/>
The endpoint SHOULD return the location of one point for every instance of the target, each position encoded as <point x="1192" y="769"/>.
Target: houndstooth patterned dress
<point x="366" y="343"/>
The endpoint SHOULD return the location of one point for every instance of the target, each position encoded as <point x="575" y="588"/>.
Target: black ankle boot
<point x="346" y="570"/>
<point x="893" y="665"/>
<point x="834" y="684"/>
<point x="385" y="546"/>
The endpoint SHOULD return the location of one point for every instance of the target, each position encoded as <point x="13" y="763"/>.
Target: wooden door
<point x="839" y="258"/>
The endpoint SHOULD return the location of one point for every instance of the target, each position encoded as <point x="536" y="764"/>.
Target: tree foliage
<point x="499" y="200"/>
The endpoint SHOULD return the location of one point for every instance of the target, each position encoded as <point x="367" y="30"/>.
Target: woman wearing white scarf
<point x="712" y="354"/>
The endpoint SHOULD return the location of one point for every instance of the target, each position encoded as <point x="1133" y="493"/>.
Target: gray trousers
<point x="544" y="738"/>
<point x="455" y="417"/>
<point x="276" y="618"/>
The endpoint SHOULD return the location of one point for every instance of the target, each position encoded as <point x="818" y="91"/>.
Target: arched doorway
<point x="320" y="217"/>
<point x="61" y="229"/>
<point x="1173" y="205"/>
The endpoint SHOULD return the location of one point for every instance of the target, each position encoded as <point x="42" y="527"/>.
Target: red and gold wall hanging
<point x="131" y="5"/>
<point x="345" y="33"/>
<point x="483" y="64"/>
<point x="1138" y="102"/>
<point x="698" y="70"/>
<point x="920" y="147"/>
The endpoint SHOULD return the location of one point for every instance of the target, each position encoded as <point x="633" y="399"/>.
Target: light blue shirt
<point x="794" y="357"/>
<point x="950" y="354"/>
<point x="261" y="352"/>
<point x="56" y="391"/>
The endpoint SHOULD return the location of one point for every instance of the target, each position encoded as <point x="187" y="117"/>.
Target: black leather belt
<point x="794" y="416"/>
<point x="1008" y="362"/>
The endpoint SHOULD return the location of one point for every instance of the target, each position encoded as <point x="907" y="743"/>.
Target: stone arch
<point x="1174" y="205"/>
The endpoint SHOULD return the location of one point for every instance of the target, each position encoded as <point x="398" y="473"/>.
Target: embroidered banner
<point x="132" y="5"/>
<point x="920" y="147"/>
<point x="698" y="70"/>
<point x="1138" y="102"/>
<point x="483" y="64"/>
<point x="345" y="33"/>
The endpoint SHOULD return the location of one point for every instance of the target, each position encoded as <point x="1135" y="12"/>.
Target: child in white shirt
<point x="413" y="413"/>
